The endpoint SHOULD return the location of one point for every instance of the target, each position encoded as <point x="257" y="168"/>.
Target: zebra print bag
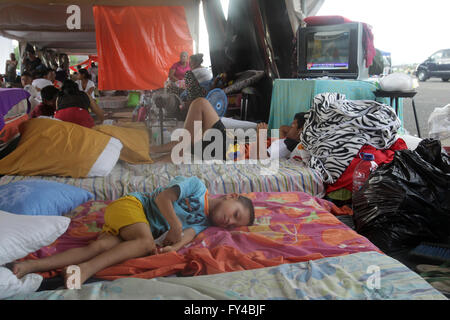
<point x="336" y="129"/>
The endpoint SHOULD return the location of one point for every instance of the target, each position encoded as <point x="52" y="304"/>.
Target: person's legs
<point x="137" y="242"/>
<point x="66" y="258"/>
<point x="200" y="110"/>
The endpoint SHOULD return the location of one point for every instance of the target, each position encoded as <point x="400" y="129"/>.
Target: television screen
<point x="328" y="50"/>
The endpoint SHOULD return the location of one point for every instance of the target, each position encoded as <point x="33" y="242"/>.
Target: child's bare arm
<point x="165" y="201"/>
<point x="188" y="236"/>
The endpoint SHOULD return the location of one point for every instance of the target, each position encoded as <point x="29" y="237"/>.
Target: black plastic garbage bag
<point x="406" y="201"/>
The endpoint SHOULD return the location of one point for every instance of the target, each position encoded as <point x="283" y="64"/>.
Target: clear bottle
<point x="363" y="170"/>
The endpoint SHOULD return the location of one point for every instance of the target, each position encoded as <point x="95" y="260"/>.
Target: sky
<point x="412" y="30"/>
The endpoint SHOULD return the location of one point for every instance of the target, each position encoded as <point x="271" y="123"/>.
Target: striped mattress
<point x="218" y="178"/>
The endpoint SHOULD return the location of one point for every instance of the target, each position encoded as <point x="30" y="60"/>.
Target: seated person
<point x="73" y="105"/>
<point x="174" y="214"/>
<point x="197" y="81"/>
<point x="47" y="107"/>
<point x="42" y="79"/>
<point x="26" y="79"/>
<point x="175" y="81"/>
<point x="289" y="138"/>
<point x="201" y="73"/>
<point x="52" y="77"/>
<point x="85" y="83"/>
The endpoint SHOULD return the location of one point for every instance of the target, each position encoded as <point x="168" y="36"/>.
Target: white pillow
<point x="23" y="234"/>
<point x="10" y="285"/>
<point x="107" y="159"/>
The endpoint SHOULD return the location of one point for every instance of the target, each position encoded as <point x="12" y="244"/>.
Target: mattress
<point x="334" y="278"/>
<point x="297" y="249"/>
<point x="289" y="227"/>
<point x="219" y="179"/>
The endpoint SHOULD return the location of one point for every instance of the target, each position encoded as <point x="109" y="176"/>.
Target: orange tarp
<point x="197" y="261"/>
<point x="137" y="45"/>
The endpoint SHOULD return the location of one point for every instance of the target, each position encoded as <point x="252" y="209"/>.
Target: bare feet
<point x="22" y="268"/>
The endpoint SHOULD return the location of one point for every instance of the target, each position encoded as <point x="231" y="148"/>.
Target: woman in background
<point x="10" y="69"/>
<point x="201" y="73"/>
<point x="85" y="83"/>
<point x="73" y="105"/>
<point x="178" y="70"/>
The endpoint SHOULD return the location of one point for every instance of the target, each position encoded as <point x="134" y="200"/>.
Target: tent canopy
<point x="43" y="23"/>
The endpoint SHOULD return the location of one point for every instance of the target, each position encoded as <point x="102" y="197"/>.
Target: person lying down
<point x="173" y="215"/>
<point x="202" y="111"/>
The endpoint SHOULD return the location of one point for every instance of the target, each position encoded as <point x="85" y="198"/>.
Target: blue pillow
<point x="41" y="197"/>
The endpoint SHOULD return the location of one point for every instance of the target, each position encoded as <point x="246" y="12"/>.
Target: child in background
<point x="177" y="212"/>
<point x="73" y="105"/>
<point x="48" y="106"/>
<point x="27" y="79"/>
<point x="289" y="139"/>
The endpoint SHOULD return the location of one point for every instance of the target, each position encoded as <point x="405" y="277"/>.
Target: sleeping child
<point x="174" y="215"/>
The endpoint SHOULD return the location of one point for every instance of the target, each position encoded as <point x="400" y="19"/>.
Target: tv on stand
<point x="335" y="51"/>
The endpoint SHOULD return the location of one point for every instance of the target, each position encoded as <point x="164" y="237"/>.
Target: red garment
<point x="367" y="32"/>
<point x="180" y="71"/>
<point x="42" y="110"/>
<point x="75" y="115"/>
<point x="381" y="156"/>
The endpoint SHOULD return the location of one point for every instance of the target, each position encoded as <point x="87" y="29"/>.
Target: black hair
<point x="49" y="93"/>
<point x="300" y="117"/>
<point x="26" y="74"/>
<point x="85" y="73"/>
<point x="247" y="203"/>
<point x="69" y="87"/>
<point x="197" y="58"/>
<point x="36" y="74"/>
<point x="40" y="73"/>
<point x="46" y="71"/>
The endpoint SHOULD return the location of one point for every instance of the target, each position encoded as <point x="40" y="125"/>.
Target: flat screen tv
<point x="332" y="50"/>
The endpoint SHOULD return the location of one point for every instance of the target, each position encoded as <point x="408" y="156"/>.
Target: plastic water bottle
<point x="156" y="135"/>
<point x="363" y="170"/>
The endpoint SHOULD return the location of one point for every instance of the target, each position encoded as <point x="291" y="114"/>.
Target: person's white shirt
<point x="90" y="84"/>
<point x="94" y="74"/>
<point x="278" y="150"/>
<point x="35" y="96"/>
<point x="202" y="74"/>
<point x="41" y="83"/>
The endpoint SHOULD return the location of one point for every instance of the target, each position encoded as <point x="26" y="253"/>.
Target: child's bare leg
<point x="66" y="258"/>
<point x="138" y="242"/>
<point x="200" y="110"/>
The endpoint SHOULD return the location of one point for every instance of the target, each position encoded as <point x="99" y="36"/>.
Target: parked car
<point x="436" y="66"/>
